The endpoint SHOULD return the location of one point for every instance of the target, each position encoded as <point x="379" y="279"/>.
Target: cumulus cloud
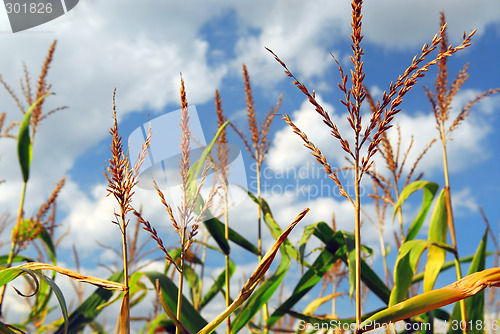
<point x="287" y="148"/>
<point x="97" y="51"/>
<point x="396" y="25"/>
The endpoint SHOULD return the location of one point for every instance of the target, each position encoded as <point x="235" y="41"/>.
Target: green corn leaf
<point x="217" y="286"/>
<point x="60" y="298"/>
<point x="438" y="230"/>
<point x="324" y="233"/>
<point x="313" y="306"/>
<point x="190" y="318"/>
<point x="447" y="265"/>
<point x="44" y="294"/>
<point x="241" y="241"/>
<point x="263" y="293"/>
<point x="429" y="189"/>
<point x="431" y="300"/>
<point x="351" y="260"/>
<point x="16" y="259"/>
<point x="311" y="277"/>
<point x="41" y="308"/>
<point x="160" y="321"/>
<point x="90" y="308"/>
<point x="137" y="289"/>
<point x="192" y="280"/>
<point x="216" y="230"/>
<point x="9" y="274"/>
<point x="255" y="279"/>
<point x="24" y="150"/>
<point x="405" y="267"/>
<point x="4" y="329"/>
<point x="408" y="256"/>
<point x="197" y="167"/>
<point x="275" y="228"/>
<point x="47" y="240"/>
<point x="308" y="232"/>
<point x="475" y="304"/>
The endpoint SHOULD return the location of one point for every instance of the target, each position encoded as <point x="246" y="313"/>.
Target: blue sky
<point x="141" y="48"/>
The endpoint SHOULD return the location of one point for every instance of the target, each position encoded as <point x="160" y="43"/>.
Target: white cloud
<point x="97" y="51"/>
<point x="397" y="24"/>
<point x="287" y="148"/>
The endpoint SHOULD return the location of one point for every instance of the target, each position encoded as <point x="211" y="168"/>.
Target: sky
<point x="141" y="49"/>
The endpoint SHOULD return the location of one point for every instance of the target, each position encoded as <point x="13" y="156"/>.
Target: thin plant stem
<point x="258" y="149"/>
<point x="451" y="225"/>
<point x="222" y="169"/>
<point x="259" y="215"/>
<point x="259" y="224"/>
<point x="357" y="230"/>
<point x="14" y="242"/>
<point x="181" y="278"/>
<point x="226" y="235"/>
<point x="126" y="297"/>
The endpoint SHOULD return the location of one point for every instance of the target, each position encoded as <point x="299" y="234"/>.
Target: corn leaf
<point x="168" y="310"/>
<point x="254" y="279"/>
<point x="89" y="309"/>
<point x="213" y="225"/>
<point x="447" y="265"/>
<point x="53" y="286"/>
<point x="438" y="230"/>
<point x="17" y="258"/>
<point x="216" y="230"/>
<point x="4" y="329"/>
<point x="24" y="149"/>
<point x="431" y="300"/>
<point x="169" y="293"/>
<point x="196" y="168"/>
<point x="47" y="240"/>
<point x="311" y="308"/>
<point x="475" y="304"/>
<point x="308" y="232"/>
<point x="192" y="280"/>
<point x="274" y="227"/>
<point x="351" y="260"/>
<point x="264" y="292"/>
<point x="111" y="285"/>
<point x="324" y="233"/>
<point x="40" y="309"/>
<point x="408" y="256"/>
<point x="137" y="290"/>
<point x="152" y="326"/>
<point x="319" y="268"/>
<point x="217" y="286"/>
<point x="429" y="189"/>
